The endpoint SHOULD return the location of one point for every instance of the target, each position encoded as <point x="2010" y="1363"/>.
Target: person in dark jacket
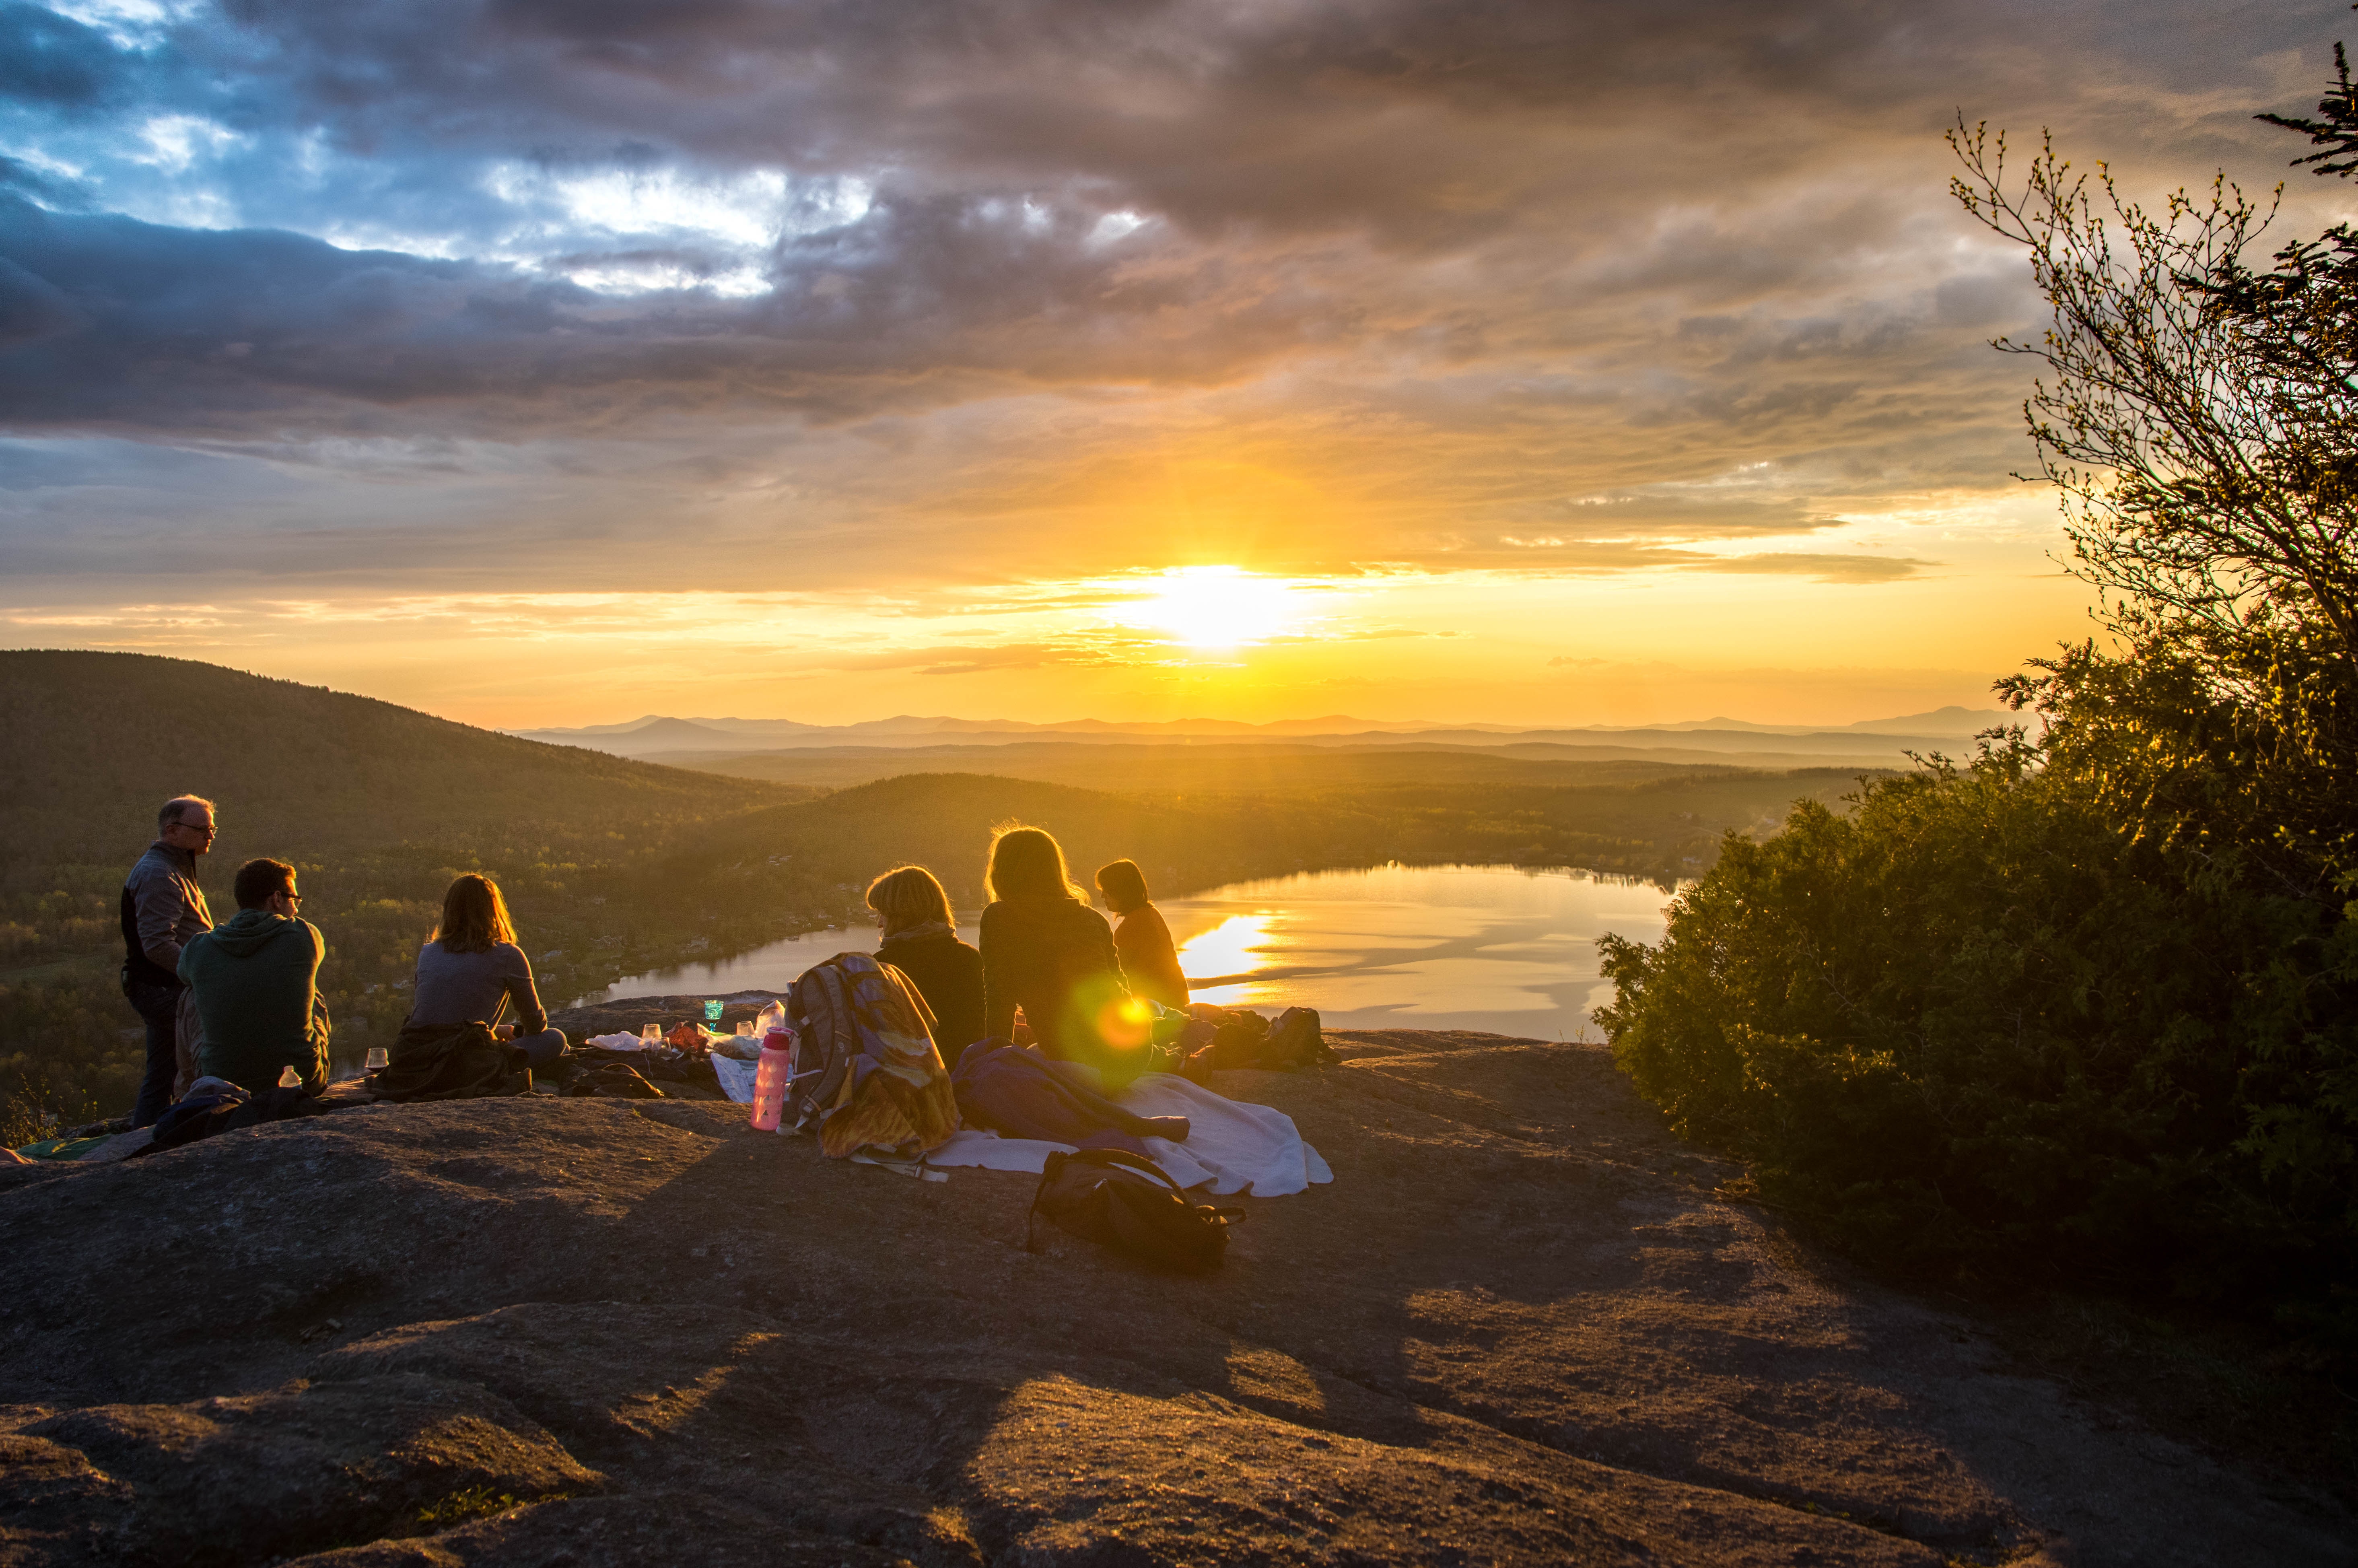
<point x="164" y="911"/>
<point x="257" y="979"/>
<point x="1149" y="960"/>
<point x="1047" y="952"/>
<point x="921" y="942"/>
<point x="472" y="971"/>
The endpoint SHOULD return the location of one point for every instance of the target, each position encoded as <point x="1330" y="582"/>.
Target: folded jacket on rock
<point x="1019" y="1092"/>
<point x="458" y="1061"/>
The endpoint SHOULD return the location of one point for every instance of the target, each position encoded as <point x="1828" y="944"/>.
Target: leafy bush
<point x="1982" y="1026"/>
<point x="2090" y="1006"/>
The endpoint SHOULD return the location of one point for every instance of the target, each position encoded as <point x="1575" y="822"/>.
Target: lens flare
<point x="1126" y="1023"/>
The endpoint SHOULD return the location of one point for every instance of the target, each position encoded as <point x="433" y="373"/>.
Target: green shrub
<point x="1980" y="1026"/>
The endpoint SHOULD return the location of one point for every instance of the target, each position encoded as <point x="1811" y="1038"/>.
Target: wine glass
<point x="378" y="1058"/>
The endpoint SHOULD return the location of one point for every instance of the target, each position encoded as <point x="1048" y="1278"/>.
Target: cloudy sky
<point x="557" y="361"/>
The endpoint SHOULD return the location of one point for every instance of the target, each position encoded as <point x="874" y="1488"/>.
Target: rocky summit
<point x="1521" y="1326"/>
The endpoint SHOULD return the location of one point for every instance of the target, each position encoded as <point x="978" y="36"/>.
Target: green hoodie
<point x="258" y="993"/>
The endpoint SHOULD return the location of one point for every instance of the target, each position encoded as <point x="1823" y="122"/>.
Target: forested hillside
<point x="617" y="868"/>
<point x="378" y="805"/>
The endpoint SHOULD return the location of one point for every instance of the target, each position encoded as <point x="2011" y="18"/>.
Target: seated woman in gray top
<point x="470" y="971"/>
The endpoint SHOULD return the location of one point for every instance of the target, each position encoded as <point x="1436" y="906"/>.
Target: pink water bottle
<point x="770" y="1078"/>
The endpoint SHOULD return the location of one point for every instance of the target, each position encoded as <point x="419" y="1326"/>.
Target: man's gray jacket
<point x="163" y="910"/>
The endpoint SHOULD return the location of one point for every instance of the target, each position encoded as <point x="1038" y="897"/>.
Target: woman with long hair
<point x="1047" y="952"/>
<point x="913" y="913"/>
<point x="470" y="971"/>
<point x="1143" y="941"/>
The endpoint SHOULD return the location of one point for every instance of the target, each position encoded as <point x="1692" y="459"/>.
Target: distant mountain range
<point x="660" y="735"/>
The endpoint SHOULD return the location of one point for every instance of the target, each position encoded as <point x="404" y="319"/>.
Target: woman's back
<point x="1055" y="958"/>
<point x="462" y="988"/>
<point x="948" y="975"/>
<point x="1148" y="960"/>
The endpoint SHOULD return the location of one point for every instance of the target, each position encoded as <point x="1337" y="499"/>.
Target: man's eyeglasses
<point x="204" y="827"/>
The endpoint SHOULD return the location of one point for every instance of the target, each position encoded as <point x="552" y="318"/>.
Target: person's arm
<point x="157" y="907"/>
<point x="998" y="986"/>
<point x="531" y="1017"/>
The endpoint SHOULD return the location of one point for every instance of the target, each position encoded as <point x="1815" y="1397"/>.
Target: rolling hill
<point x="378" y="805"/>
<point x="619" y="867"/>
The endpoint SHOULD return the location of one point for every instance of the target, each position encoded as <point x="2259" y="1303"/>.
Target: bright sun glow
<point x="1219" y="607"/>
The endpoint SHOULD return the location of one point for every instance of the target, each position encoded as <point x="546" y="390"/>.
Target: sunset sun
<point x="1219" y="607"/>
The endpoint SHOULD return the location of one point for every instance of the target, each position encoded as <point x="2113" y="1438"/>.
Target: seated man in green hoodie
<point x="255" y="979"/>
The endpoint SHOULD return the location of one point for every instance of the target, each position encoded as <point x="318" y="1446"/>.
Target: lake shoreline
<point x="1496" y="947"/>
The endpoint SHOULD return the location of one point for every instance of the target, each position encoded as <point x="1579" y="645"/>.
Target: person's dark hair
<point x="1027" y="862"/>
<point x="908" y="896"/>
<point x="474" y="916"/>
<point x="259" y="881"/>
<point x="177" y="806"/>
<point x="1123" y="884"/>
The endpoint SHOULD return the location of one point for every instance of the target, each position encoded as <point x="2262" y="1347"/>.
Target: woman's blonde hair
<point x="908" y="896"/>
<point x="474" y="916"/>
<point x="1027" y="862"/>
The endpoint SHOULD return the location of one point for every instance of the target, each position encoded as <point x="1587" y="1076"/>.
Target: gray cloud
<point x="1482" y="273"/>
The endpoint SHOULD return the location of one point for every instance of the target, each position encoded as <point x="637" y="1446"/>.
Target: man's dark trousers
<point x="160" y="1007"/>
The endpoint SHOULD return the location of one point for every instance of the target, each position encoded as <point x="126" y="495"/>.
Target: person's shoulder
<point x="511" y="955"/>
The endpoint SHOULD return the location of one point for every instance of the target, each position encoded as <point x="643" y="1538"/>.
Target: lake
<point x="1491" y="947"/>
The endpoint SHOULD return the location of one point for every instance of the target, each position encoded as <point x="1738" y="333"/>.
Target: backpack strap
<point x="1096" y="1156"/>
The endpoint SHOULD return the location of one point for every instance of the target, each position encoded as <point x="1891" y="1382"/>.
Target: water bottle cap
<point x="778" y="1039"/>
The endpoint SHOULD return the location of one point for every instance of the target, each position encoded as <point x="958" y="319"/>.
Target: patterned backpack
<point x="867" y="1075"/>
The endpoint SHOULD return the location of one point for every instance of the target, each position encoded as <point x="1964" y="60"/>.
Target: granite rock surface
<point x="1519" y="1327"/>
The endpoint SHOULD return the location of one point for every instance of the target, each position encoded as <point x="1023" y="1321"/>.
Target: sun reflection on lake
<point x="1237" y="945"/>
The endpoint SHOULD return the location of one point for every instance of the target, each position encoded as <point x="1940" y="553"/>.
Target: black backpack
<point x="1124" y="1201"/>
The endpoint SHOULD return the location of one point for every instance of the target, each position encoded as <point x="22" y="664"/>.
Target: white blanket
<point x="735" y="1077"/>
<point x="1231" y="1147"/>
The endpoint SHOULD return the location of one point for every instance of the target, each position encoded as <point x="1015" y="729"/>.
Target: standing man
<point x="163" y="910"/>
<point x="257" y="980"/>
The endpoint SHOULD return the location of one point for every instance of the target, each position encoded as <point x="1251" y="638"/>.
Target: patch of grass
<point x="36" y="1108"/>
<point x="476" y="1502"/>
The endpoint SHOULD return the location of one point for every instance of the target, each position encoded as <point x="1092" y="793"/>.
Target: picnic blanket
<point x="1233" y="1146"/>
